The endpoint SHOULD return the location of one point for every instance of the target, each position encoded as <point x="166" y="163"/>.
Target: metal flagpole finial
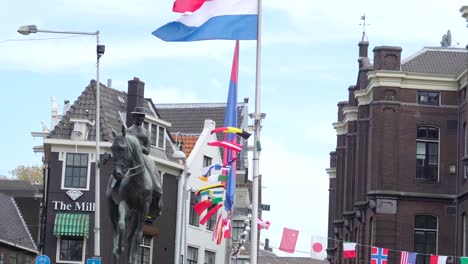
<point x="363" y="24"/>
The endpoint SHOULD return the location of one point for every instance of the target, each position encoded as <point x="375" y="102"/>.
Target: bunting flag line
<point x="349" y="250"/>
<point x="202" y="206"/>
<point x="408" y="257"/>
<point x="216" y="229"/>
<point x="215" y="19"/>
<point x="226" y="144"/>
<point x="208" y="187"/>
<point x="209" y="192"/>
<point x="213" y="178"/>
<point x="207" y="169"/>
<point x="187" y="6"/>
<point x="289" y="240"/>
<point x="230" y="120"/>
<point x="211" y="212"/>
<point x="233" y="130"/>
<point x="379" y="255"/>
<point x="464" y="260"/>
<point x="436" y="259"/>
<point x="227" y="228"/>
<point x="318" y="247"/>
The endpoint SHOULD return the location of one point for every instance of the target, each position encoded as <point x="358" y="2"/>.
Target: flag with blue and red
<point x="379" y="255"/>
<point x="230" y="120"/>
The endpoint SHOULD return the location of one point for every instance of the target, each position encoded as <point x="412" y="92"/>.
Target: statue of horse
<point x="133" y="192"/>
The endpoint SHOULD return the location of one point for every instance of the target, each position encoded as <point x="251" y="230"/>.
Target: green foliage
<point x="32" y="174"/>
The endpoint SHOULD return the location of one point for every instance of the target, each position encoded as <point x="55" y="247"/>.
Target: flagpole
<point x="256" y="149"/>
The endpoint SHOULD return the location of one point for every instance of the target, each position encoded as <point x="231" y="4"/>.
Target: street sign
<point x="42" y="259"/>
<point x="93" y="261"/>
<point x="265" y="207"/>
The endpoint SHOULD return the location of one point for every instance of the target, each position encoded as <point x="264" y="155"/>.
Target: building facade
<point x="70" y="160"/>
<point x="398" y="175"/>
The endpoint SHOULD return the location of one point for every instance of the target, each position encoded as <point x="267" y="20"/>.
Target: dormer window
<point x="81" y="128"/>
<point x="157" y="133"/>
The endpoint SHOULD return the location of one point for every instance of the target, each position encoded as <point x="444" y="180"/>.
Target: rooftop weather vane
<point x="363" y="24"/>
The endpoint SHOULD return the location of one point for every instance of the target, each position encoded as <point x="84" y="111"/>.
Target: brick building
<point x="399" y="173"/>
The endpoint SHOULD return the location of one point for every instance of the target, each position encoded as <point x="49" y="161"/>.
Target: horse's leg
<point x="123" y="211"/>
<point x="132" y="233"/>
<point x="140" y="218"/>
<point x="114" y="215"/>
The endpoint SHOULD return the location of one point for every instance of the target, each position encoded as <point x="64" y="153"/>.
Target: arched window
<point x="425" y="237"/>
<point x="427" y="153"/>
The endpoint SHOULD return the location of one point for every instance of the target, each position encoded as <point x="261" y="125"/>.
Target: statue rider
<point x="143" y="136"/>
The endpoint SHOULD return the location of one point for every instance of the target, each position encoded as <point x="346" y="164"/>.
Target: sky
<point x="309" y="59"/>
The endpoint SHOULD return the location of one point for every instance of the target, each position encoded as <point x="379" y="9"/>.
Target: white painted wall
<point x="200" y="237"/>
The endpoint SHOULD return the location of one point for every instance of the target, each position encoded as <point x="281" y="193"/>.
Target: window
<point x="241" y="261"/>
<point x="192" y="255"/>
<point x="28" y="259"/>
<point x="210" y="257"/>
<point x="13" y="259"/>
<point x="207" y="162"/>
<point x="237" y="229"/>
<point x="210" y="225"/>
<point x="425" y="237"/>
<point x="144" y="251"/>
<point x="71" y="248"/>
<point x="428" y="98"/>
<point x="156" y="134"/>
<point x="76" y="171"/>
<point x="427" y="153"/>
<point x="193" y="217"/>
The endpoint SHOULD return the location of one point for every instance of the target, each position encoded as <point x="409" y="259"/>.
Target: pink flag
<point x="289" y="240"/>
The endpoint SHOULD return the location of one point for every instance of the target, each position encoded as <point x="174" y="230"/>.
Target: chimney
<point x="109" y="83"/>
<point x="136" y="97"/>
<point x="267" y="245"/>
<point x="363" y="46"/>
<point x="54" y="113"/>
<point x="387" y="58"/>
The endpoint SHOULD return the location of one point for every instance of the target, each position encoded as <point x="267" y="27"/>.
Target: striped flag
<point x="436" y="259"/>
<point x="408" y="257"/>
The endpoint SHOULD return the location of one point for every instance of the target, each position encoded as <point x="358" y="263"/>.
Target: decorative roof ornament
<point x="363" y="24"/>
<point x="446" y="40"/>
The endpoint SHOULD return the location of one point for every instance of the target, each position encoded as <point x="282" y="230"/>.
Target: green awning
<point x="67" y="224"/>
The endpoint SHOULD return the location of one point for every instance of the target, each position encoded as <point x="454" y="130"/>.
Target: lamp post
<point x="181" y="201"/>
<point x="26" y="30"/>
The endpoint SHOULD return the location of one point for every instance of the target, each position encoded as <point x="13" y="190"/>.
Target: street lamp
<point x="26" y="30"/>
<point x="181" y="204"/>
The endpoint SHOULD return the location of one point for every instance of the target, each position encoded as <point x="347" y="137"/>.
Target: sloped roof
<point x="188" y="141"/>
<point x="113" y="102"/>
<point x="190" y="118"/>
<point x="13" y="229"/>
<point x="19" y="188"/>
<point x="445" y="61"/>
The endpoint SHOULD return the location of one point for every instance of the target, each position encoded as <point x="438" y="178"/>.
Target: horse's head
<point x="120" y="154"/>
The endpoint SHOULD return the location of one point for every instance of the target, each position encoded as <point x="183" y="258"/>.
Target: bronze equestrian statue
<point x="134" y="191"/>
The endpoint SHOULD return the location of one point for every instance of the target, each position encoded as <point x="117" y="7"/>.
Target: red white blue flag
<point x="408" y="257"/>
<point x="214" y="19"/>
<point x="230" y="120"/>
<point x="379" y="255"/>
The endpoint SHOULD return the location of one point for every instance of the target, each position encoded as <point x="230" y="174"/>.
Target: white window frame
<point x="438" y="141"/>
<point x="57" y="253"/>
<point x="64" y="165"/>
<point x="150" y="247"/>
<point x="198" y="253"/>
<point x="157" y="126"/>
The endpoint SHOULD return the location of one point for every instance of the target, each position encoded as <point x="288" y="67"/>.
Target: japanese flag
<point x="318" y="247"/>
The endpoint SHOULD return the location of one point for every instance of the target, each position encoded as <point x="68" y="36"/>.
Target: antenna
<point x="363" y="24"/>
